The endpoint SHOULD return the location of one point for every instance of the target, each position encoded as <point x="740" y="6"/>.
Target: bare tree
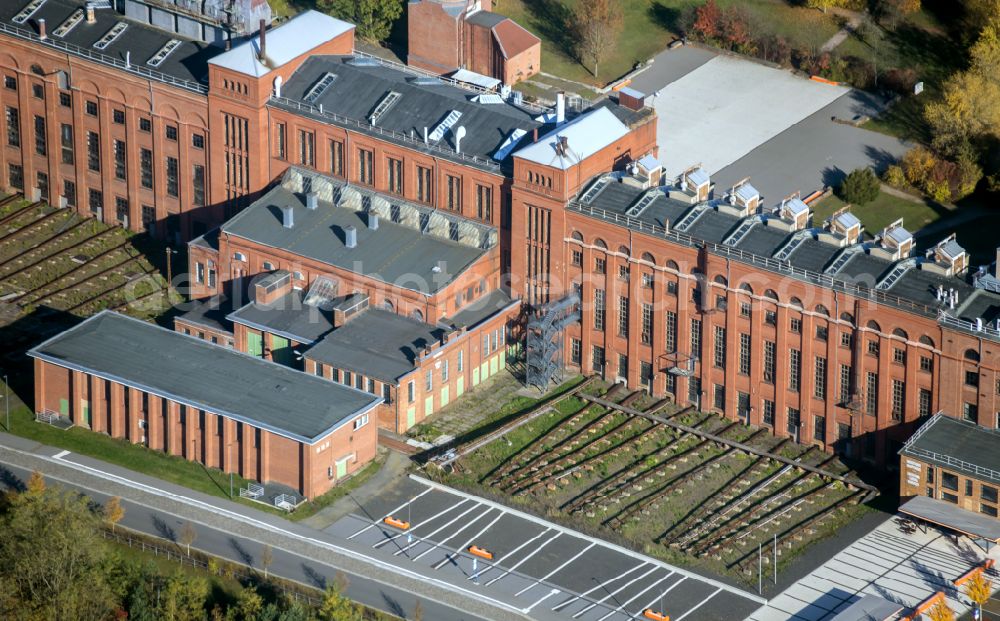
<point x="597" y="24"/>
<point x="266" y="558"/>
<point x="187" y="536"/>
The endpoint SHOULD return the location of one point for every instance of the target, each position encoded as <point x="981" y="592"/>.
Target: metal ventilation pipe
<point x="373" y="220"/>
<point x="351" y="237"/>
<point x="312" y="201"/>
<point x="41" y="30"/>
<point x="287" y="217"/>
<point x="560" y="108"/>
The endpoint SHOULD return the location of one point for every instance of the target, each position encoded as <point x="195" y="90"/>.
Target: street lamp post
<point x="170" y="272"/>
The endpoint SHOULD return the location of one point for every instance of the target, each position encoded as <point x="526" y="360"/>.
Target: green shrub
<point x="859" y="187"/>
<point x="894" y="176"/>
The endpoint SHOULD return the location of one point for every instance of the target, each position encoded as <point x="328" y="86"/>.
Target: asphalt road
<point x="296" y="556"/>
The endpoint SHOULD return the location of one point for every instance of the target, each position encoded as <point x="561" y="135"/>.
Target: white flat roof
<point x="304" y="32"/>
<point x="587" y="134"/>
<point x="478" y="79"/>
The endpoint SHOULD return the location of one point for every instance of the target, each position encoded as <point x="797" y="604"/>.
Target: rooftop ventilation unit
<point x="363" y="61"/>
<point x="23" y="15"/>
<point x="448" y="122"/>
<point x="110" y="36"/>
<point x="509" y="143"/>
<point x="383" y="106"/>
<point x="165" y="51"/>
<point x="69" y="24"/>
<point x="488" y="98"/>
<point x="592" y="192"/>
<point x="319" y="87"/>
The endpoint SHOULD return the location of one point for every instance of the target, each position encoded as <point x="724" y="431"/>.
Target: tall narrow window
<point x="337" y="158"/>
<point x="871" y="394"/>
<point x="13" y="127"/>
<point x="819" y="383"/>
<point x="94" y="151"/>
<point x="15" y="176"/>
<point x="599" y="309"/>
<point x="395" y="175"/>
<point x="898" y="399"/>
<point x="484" y="202"/>
<point x="925" y="402"/>
<point x="42" y="184"/>
<point x="794" y="369"/>
<point x="845" y="383"/>
<point x="670" y="333"/>
<point x="198" y="185"/>
<point x="69" y="192"/>
<point x="121" y="210"/>
<point x="770" y="351"/>
<point x="366" y="167"/>
<point x="424" y="186"/>
<point x="307" y="148"/>
<point x="146" y="168"/>
<point x="66" y="142"/>
<point x="696" y="338"/>
<point x="279" y="140"/>
<point x="623" y="316"/>
<point x="119" y="153"/>
<point x="96" y="201"/>
<point x="41" y="141"/>
<point x="172" y="181"/>
<point x="454" y="193"/>
<point x="744" y="353"/>
<point x="719" y="357"/>
<point x="647" y="324"/>
<point x="598" y="359"/>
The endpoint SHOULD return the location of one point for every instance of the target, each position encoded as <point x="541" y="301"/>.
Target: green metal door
<point x="411" y="417"/>
<point x="342" y="468"/>
<point x="64" y="407"/>
<point x="459" y="387"/>
<point x="281" y="350"/>
<point x="255" y="344"/>
<point x="445" y="397"/>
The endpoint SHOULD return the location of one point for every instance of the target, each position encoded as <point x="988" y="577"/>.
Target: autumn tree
<point x="183" y="598"/>
<point x="978" y="589"/>
<point x="824" y="5"/>
<point x="707" y="19"/>
<point x="337" y="607"/>
<point x="597" y="24"/>
<point x="187" y="536"/>
<point x="36" y="483"/>
<point x="941" y="612"/>
<point x="113" y="511"/>
<point x="373" y="18"/>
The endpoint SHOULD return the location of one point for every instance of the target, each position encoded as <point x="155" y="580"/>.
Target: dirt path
<point x="833" y="42"/>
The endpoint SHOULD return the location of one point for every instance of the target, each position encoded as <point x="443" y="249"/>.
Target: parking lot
<point x="740" y="118"/>
<point x="537" y="567"/>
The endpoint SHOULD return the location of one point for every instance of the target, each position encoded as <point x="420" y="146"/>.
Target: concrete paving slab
<point x="670" y="66"/>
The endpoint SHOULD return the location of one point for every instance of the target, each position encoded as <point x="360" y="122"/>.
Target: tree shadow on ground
<point x="552" y="20"/>
<point x="669" y="18"/>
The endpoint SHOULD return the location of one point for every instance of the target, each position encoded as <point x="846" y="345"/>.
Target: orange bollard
<point x="400" y="524"/>
<point x="649" y="613"/>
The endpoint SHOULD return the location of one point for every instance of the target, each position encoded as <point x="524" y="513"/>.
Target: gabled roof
<point x="513" y="39"/>
<point x="747" y="192"/>
<point x="795" y="206"/>
<point x="698" y="177"/>
<point x="287" y="316"/>
<point x="304" y="32"/>
<point x="587" y="134"/>
<point x="952" y="249"/>
<point x="207" y="377"/>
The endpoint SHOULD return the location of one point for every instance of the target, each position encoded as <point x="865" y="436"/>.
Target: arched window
<point x="873" y="325"/>
<point x="772" y="294"/>
<point x="822" y="310"/>
<point x="847" y="317"/>
<point x="720" y="280"/>
<point x="901" y="333"/>
<point x="577" y="236"/>
<point x="648" y="258"/>
<point x="746" y="287"/>
<point x="388" y="305"/>
<point x="600" y="243"/>
<point x="797" y="303"/>
<point x="972" y="355"/>
<point x="672" y="265"/>
<point x="926" y="340"/>
<point x="623" y="250"/>
<point x="416" y="314"/>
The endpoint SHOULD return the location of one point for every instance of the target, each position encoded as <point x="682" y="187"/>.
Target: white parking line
<point x="600" y="585"/>
<point x="548" y="575"/>
<point x="61" y="454"/>
<point x="417" y="540"/>
<point x="637" y="596"/>
<point x="613" y="593"/>
<point x="394" y="511"/>
<point x="518" y="564"/>
<point x="512" y="552"/>
<point x="663" y="595"/>
<point x="464" y="545"/>
<point x="432" y="518"/>
<point x="543" y="598"/>
<point x="699" y="604"/>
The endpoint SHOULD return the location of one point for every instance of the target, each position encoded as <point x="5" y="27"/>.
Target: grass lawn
<point x="882" y="211"/>
<point x="132" y="456"/>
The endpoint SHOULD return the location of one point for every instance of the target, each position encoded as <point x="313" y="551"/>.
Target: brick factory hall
<point x="331" y="200"/>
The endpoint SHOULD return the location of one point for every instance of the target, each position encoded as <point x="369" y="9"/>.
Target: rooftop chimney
<point x="91" y="17"/>
<point x="373" y="220"/>
<point x="312" y="201"/>
<point x="287" y="219"/>
<point x="41" y="30"/>
<point x="351" y="237"/>
<point x="459" y="134"/>
<point x="263" y="41"/>
<point x="560" y="108"/>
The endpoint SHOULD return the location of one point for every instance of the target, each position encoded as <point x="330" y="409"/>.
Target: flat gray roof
<point x="869" y="608"/>
<point x="198" y="374"/>
<point x="481" y="309"/>
<point x="957" y="445"/>
<point x="286" y="316"/>
<point x="395" y="254"/>
<point x="188" y="61"/>
<point x="210" y="313"/>
<point x="377" y="343"/>
<point x="952" y="516"/>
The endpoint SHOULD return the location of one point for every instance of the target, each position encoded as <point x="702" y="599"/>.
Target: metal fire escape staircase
<point x="546" y="340"/>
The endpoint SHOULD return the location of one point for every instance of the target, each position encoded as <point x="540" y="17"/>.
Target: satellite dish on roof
<point x="459" y="134"/>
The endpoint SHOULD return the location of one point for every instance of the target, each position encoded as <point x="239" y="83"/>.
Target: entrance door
<point x="85" y="409"/>
<point x="411" y="417"/>
<point x="255" y="344"/>
<point x="743" y="407"/>
<point x="342" y="467"/>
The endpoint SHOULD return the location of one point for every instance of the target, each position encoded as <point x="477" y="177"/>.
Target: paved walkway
<point x="833" y="42"/>
<point x="904" y="568"/>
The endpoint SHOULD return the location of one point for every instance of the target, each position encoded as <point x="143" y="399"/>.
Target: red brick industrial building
<point x="751" y="310"/>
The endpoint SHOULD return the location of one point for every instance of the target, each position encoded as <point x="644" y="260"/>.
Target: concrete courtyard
<point x="739" y="118"/>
